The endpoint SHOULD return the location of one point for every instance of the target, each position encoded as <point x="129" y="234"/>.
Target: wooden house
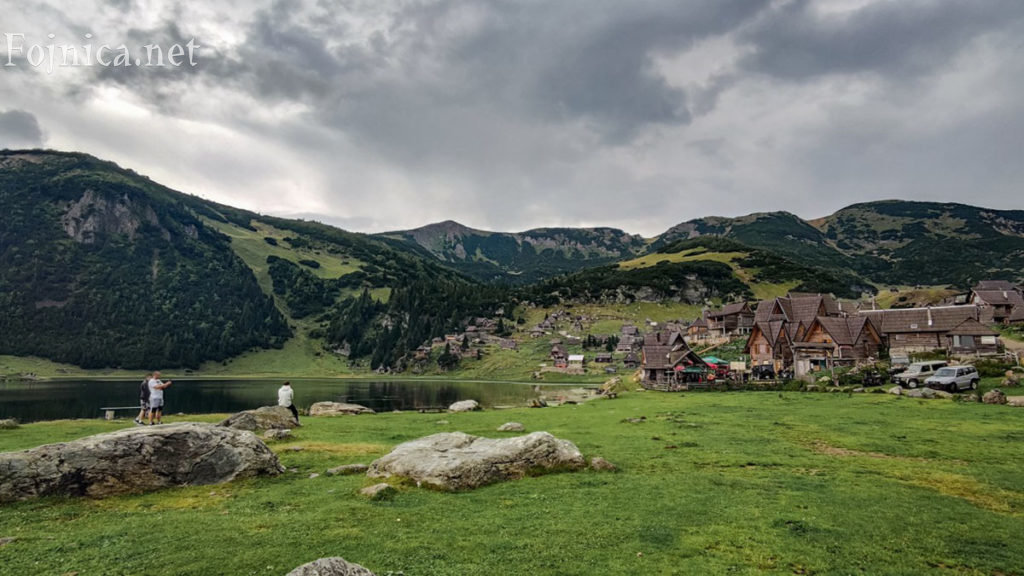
<point x="669" y="361"/>
<point x="972" y="338"/>
<point x="909" y="330"/>
<point x="603" y="358"/>
<point x="733" y="319"/>
<point x="1001" y="301"/>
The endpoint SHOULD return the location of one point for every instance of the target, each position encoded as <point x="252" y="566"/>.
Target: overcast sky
<point x="507" y="115"/>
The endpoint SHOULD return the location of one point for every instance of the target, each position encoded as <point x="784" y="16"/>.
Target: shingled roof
<point x="921" y="320"/>
<point x="972" y="327"/>
<point x="656" y="357"/>
<point x="730" y="309"/>
<point x="844" y="331"/>
<point x="1000" y="297"/>
<point x="994" y="285"/>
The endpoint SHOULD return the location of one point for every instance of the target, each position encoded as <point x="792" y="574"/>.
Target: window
<point x="989" y="340"/>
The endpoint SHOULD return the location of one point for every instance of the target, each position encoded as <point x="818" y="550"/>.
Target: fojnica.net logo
<point x="50" y="54"/>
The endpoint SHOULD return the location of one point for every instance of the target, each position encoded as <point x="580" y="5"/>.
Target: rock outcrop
<point x="458" y="461"/>
<point x="265" y="418"/>
<point x="464" y="406"/>
<point x="330" y="567"/>
<point x="994" y="397"/>
<point x="135" y="460"/>
<point x="337" y="408"/>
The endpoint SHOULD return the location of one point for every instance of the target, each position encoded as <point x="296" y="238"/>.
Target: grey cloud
<point x="899" y="39"/>
<point x="19" y="129"/>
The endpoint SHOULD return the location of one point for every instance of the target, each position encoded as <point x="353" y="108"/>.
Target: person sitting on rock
<point x="285" y="395"/>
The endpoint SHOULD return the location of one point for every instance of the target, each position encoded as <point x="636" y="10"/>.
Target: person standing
<point x="143" y="402"/>
<point x="156" y="398"/>
<point x="285" y="397"/>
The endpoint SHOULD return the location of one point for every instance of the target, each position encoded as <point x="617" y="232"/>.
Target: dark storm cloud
<point x="19" y="129"/>
<point x="901" y="39"/>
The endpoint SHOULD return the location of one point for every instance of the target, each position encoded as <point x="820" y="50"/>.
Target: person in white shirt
<point x="285" y="396"/>
<point x="156" y="398"/>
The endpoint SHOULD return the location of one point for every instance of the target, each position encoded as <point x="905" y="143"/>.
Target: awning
<point x="714" y="360"/>
<point x="691" y="369"/>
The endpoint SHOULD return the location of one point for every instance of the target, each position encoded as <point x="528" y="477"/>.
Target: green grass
<point x="711" y="483"/>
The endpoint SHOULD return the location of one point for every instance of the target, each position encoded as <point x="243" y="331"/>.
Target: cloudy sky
<point x="511" y="114"/>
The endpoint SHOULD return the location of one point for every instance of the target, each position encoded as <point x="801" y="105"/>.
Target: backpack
<point x="144" y="390"/>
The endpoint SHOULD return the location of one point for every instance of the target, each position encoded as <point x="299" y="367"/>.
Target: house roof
<point x="656" y="357"/>
<point x="994" y="285"/>
<point x="630" y="358"/>
<point x="699" y="323"/>
<point x="575" y="357"/>
<point x="844" y="331"/>
<point x="1008" y="297"/>
<point x="921" y="320"/>
<point x="972" y="327"/>
<point x="730" y="309"/>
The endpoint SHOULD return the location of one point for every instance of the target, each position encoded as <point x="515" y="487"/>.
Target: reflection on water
<point x="53" y="400"/>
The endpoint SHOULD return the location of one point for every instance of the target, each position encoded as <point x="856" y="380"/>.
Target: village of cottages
<point x="800" y="336"/>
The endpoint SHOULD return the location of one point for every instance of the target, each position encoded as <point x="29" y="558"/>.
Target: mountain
<point x="523" y="257"/>
<point x="898" y="242"/>
<point x="102" y="267"/>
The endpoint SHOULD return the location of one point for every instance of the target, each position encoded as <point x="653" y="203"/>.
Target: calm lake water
<point x="60" y="399"/>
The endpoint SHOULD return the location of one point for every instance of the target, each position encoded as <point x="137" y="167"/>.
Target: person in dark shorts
<point x="285" y="397"/>
<point x="143" y="402"/>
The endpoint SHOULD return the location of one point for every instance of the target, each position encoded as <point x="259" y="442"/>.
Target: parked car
<point x="954" y="379"/>
<point x="918" y="372"/>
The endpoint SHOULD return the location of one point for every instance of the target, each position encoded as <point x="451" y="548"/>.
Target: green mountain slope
<point x="901" y="242"/>
<point x="524" y="257"/>
<point x="101" y="267"/>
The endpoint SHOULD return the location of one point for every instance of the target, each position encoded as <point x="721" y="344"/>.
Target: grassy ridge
<point x="713" y="483"/>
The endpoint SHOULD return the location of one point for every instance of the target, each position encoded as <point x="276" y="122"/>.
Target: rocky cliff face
<point x="94" y="216"/>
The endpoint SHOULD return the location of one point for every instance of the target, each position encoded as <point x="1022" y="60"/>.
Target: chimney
<point x="1005" y="295"/>
<point x="929" y="315"/>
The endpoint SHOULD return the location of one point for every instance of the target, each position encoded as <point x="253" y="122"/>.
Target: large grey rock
<point x="994" y="397"/>
<point x="1016" y="401"/>
<point x="458" y="461"/>
<point x="337" y="408"/>
<point x="8" y="424"/>
<point x="511" y="427"/>
<point x="464" y="406"/>
<point x="135" y="460"/>
<point x="277" y="434"/>
<point x="330" y="567"/>
<point x="265" y="418"/>
<point x="896" y="390"/>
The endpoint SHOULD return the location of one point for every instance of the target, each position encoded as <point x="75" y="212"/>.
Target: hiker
<point x="143" y="402"/>
<point x="285" y="395"/>
<point x="156" y="398"/>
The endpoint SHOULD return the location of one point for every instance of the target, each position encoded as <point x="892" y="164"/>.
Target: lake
<point x="61" y="399"/>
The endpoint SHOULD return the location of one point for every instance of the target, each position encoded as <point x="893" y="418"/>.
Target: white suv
<point x="954" y="378"/>
<point x="918" y="372"/>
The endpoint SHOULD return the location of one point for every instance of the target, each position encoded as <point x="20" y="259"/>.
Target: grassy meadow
<point x="709" y="483"/>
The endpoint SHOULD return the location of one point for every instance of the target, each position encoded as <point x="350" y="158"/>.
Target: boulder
<point x="6" y="541"/>
<point x="348" y="470"/>
<point x="913" y="393"/>
<point x="538" y="403"/>
<point x="330" y="567"/>
<point x="1011" y="380"/>
<point x="811" y="388"/>
<point x="135" y="460"/>
<point x="1016" y="401"/>
<point x="994" y="397"/>
<point x="511" y="427"/>
<point x="380" y="491"/>
<point x="265" y="418"/>
<point x="969" y="397"/>
<point x="277" y="434"/>
<point x="942" y="394"/>
<point x="8" y="424"/>
<point x="458" y="461"/>
<point x="464" y="406"/>
<point x="337" y="408"/>
<point x="601" y="465"/>
<point x="858" y="390"/>
<point x="896" y="390"/>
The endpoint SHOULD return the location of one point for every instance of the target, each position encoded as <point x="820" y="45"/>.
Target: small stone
<point x="277" y="434"/>
<point x="858" y="390"/>
<point x="442" y="422"/>
<point x="942" y="394"/>
<point x="601" y="465"/>
<point x="811" y="388"/>
<point x="380" y="491"/>
<point x="6" y="541"/>
<point x="511" y="427"/>
<point x="296" y="448"/>
<point x="348" y="470"/>
<point x="314" y="475"/>
<point x="1016" y="401"/>
<point x="896" y="390"/>
<point x="330" y="567"/>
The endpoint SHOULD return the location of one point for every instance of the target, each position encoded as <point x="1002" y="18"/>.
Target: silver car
<point x="954" y="379"/>
<point x="918" y="372"/>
